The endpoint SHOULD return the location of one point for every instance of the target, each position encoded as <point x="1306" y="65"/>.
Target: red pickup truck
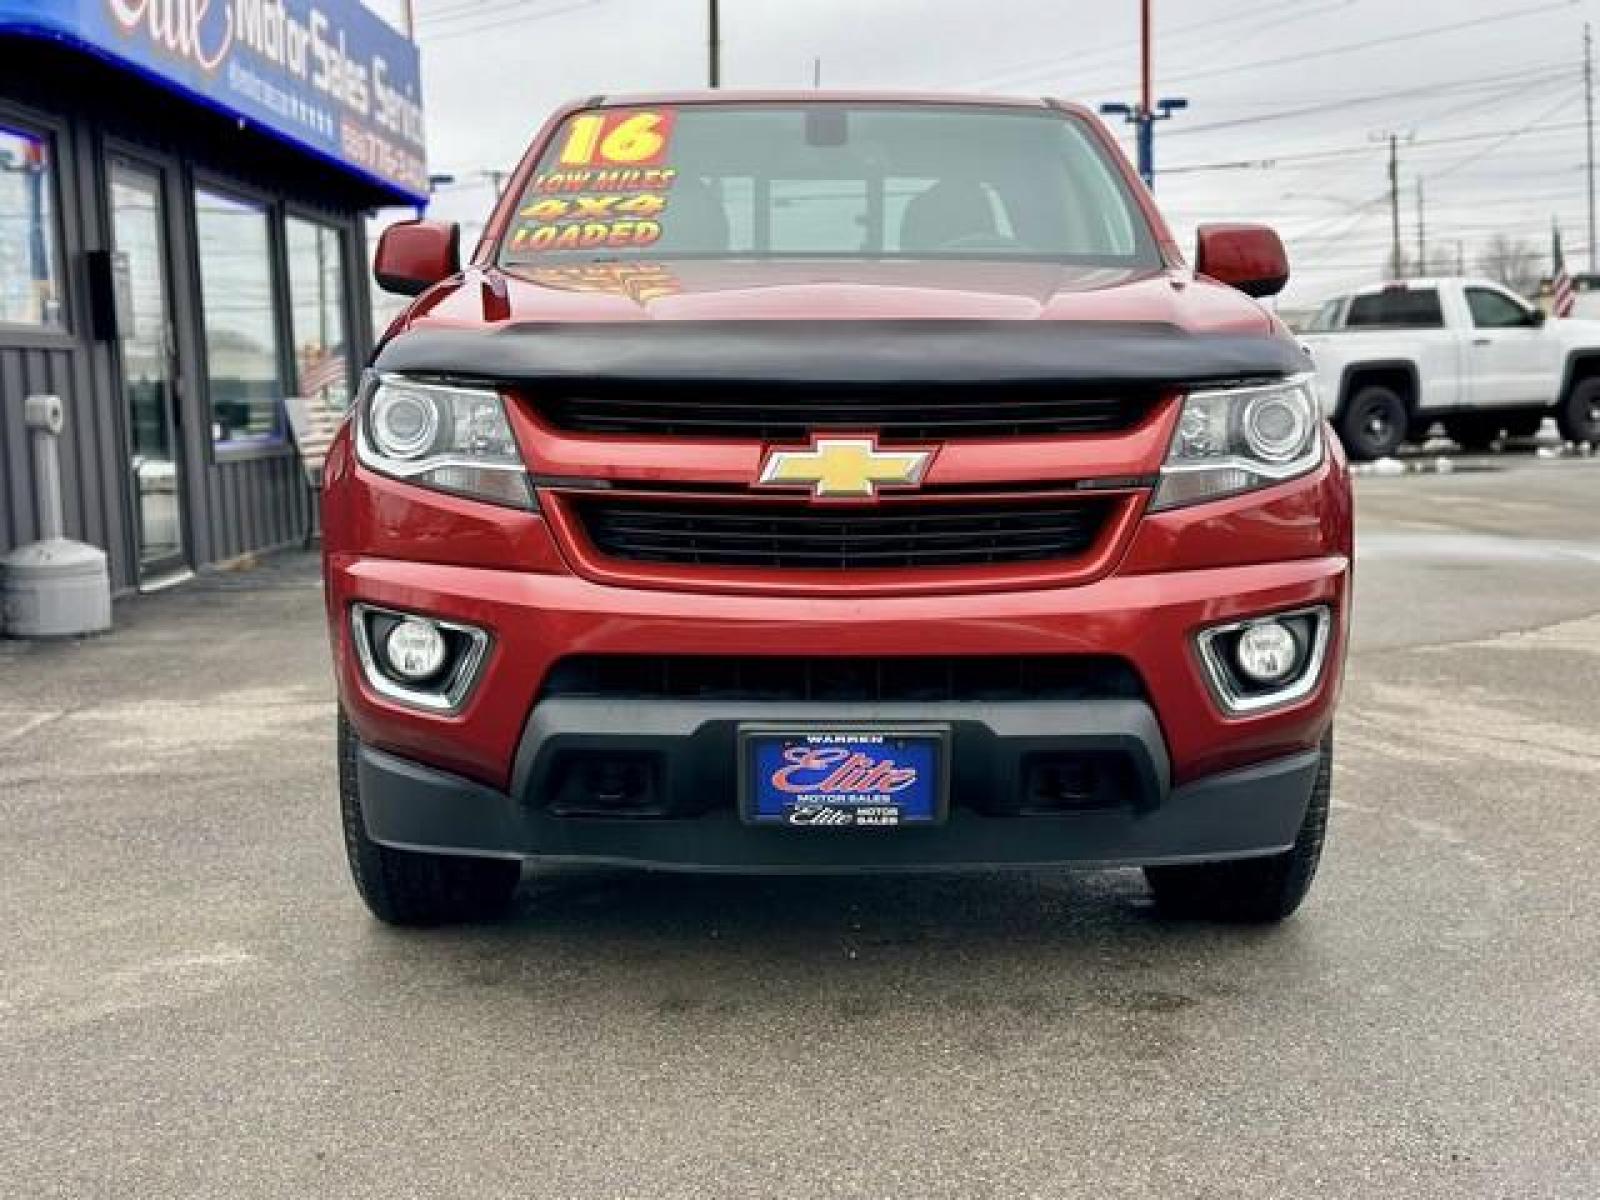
<point x="834" y="482"/>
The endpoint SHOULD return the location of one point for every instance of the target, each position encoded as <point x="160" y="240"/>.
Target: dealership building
<point x="183" y="186"/>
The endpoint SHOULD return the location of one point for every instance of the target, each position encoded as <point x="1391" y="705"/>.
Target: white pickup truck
<point x="1395" y="358"/>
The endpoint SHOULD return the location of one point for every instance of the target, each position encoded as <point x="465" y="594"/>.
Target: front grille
<point x="796" y="535"/>
<point x="843" y="680"/>
<point x="774" y="413"/>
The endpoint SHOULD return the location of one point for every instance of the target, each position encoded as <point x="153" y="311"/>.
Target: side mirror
<point x="414" y="255"/>
<point x="1538" y="317"/>
<point x="1248" y="257"/>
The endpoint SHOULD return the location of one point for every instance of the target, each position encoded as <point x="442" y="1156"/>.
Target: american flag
<point x="322" y="369"/>
<point x="1562" y="294"/>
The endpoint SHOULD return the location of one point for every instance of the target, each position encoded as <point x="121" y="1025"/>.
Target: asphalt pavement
<point x="193" y="1002"/>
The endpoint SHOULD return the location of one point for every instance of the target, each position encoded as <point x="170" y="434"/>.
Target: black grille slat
<point x="711" y="514"/>
<point x="798" y="535"/>
<point x="884" y="680"/>
<point x="775" y="414"/>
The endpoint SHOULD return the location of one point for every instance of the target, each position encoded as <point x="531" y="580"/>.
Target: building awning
<point x="327" y="76"/>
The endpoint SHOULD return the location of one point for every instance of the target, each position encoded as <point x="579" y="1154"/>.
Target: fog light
<point x="415" y="649"/>
<point x="1267" y="653"/>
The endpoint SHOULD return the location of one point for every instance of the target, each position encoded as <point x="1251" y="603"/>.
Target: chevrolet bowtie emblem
<point x="844" y="468"/>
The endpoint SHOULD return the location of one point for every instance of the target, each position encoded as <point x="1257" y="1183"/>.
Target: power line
<point x="499" y="22"/>
<point x="1372" y="43"/>
<point x="1511" y="136"/>
<point x="1347" y="48"/>
<point x="1035" y="67"/>
<point x="1493" y="84"/>
<point x="472" y="12"/>
<point x="1357" y="151"/>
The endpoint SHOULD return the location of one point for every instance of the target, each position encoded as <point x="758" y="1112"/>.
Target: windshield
<point x="1327" y="318"/>
<point x="827" y="180"/>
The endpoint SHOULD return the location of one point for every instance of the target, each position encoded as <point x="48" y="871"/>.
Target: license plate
<point x="843" y="778"/>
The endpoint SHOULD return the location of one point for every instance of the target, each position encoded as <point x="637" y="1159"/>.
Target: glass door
<point x="144" y="321"/>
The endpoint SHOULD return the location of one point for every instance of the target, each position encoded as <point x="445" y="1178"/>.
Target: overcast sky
<point x="1300" y="93"/>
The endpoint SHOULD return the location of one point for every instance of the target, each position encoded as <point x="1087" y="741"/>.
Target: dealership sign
<point x="324" y="74"/>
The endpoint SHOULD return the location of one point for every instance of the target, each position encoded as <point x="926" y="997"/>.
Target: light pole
<point x="1147" y="112"/>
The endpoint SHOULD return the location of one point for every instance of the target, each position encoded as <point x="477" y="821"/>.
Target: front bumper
<point x="1189" y="782"/>
<point x="1252" y="811"/>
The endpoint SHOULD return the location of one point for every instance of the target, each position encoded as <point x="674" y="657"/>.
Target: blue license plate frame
<point x="817" y="792"/>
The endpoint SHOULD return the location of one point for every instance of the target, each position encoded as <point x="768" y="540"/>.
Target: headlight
<point x="456" y="439"/>
<point x="1240" y="439"/>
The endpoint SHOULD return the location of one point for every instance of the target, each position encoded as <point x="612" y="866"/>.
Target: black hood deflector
<point x="1148" y="355"/>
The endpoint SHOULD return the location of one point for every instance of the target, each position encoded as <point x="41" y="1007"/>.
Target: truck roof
<point x="1426" y="281"/>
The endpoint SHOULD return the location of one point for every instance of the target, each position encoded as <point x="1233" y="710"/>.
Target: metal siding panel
<point x="18" y="497"/>
<point x="261" y="502"/>
<point x="239" y="523"/>
<point x="216" y="514"/>
<point x="255" y="515"/>
<point x="69" y="374"/>
<point x="302" y="501"/>
<point x="277" y="499"/>
<point x="221" y="511"/>
<point x="288" y="500"/>
<point x="243" y="496"/>
<point x="239" y="531"/>
<point x="229" y="528"/>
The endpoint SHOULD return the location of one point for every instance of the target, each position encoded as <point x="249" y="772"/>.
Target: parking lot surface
<point x="193" y="1002"/>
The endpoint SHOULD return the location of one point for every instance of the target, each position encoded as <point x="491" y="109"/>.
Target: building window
<point x="316" y="305"/>
<point x="30" y="286"/>
<point x="241" y="327"/>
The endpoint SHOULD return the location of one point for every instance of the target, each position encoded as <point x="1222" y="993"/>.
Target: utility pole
<point x="816" y="72"/>
<point x="1396" y="261"/>
<point x="714" y="39"/>
<point x="1422" y="231"/>
<point x="1588" y="114"/>
<point x="1148" y="111"/>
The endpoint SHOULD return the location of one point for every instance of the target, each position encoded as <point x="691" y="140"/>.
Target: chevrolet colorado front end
<point x="834" y="482"/>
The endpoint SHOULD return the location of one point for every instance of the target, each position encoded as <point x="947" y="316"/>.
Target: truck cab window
<point x="1397" y="308"/>
<point x="1496" y="310"/>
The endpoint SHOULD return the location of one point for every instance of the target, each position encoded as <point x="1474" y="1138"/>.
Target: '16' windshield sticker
<point x="609" y="189"/>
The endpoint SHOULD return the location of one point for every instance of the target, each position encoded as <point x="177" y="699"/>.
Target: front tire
<point x="406" y="887"/>
<point x="1251" y="890"/>
<point x="1374" y="424"/>
<point x="1579" y="414"/>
